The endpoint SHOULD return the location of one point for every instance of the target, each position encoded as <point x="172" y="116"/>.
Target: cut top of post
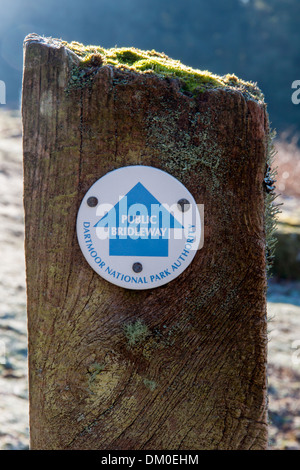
<point x="193" y="81"/>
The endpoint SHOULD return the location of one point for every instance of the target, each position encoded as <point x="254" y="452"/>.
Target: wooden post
<point x="196" y="376"/>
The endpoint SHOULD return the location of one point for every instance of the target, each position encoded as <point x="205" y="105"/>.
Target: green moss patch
<point x="193" y="81"/>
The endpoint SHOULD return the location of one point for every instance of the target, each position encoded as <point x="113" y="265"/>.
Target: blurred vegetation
<point x="258" y="40"/>
<point x="287" y="251"/>
<point x="287" y="260"/>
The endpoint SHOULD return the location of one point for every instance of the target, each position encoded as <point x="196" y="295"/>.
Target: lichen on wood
<point x="136" y="332"/>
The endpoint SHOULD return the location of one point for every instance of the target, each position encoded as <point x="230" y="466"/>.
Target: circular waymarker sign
<point x="138" y="227"/>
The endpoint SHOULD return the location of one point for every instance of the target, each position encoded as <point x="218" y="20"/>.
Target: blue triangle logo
<point x="139" y="225"/>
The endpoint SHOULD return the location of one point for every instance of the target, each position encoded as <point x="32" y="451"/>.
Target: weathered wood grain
<point x="198" y="379"/>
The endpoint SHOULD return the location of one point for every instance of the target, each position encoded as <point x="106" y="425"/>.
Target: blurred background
<point x="258" y="40"/>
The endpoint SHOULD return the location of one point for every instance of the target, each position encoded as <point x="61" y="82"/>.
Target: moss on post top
<point x="193" y="81"/>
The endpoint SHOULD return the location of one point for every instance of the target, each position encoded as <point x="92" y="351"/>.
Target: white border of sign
<point x="156" y="270"/>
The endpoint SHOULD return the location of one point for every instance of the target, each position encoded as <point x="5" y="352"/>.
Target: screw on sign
<point x="92" y="201"/>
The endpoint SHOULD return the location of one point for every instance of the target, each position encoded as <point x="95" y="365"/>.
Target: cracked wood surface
<point x="198" y="380"/>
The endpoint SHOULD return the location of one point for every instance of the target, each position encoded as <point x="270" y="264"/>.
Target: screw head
<point x="137" y="267"/>
<point x="92" y="201"/>
<point x="183" y="205"/>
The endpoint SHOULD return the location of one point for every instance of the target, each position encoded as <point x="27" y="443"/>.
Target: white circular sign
<point x="138" y="227"/>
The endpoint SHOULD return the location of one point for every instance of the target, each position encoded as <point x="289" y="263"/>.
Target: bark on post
<point x="197" y="379"/>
